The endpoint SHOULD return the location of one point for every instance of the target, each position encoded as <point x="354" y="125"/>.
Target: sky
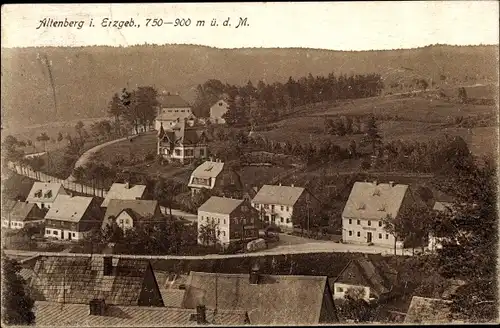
<point x="334" y="25"/>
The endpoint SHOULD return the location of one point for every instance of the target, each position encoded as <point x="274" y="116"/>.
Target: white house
<point x="276" y="203"/>
<point x="182" y="143"/>
<point x="130" y="213"/>
<point x="233" y="220"/>
<point x="214" y="174"/>
<point x="217" y="111"/>
<point x="72" y="217"/>
<point x="125" y="191"/>
<point x="17" y="214"/>
<point x="368" y="204"/>
<point x="172" y="108"/>
<point x="44" y="193"/>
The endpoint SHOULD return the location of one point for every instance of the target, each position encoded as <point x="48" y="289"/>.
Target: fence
<point x="68" y="185"/>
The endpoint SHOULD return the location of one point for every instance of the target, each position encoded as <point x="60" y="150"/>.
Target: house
<point x="182" y="143"/>
<point x="362" y="276"/>
<point x="429" y="311"/>
<point x="17" y="214"/>
<point x="234" y="220"/>
<point x="171" y="109"/>
<point x="276" y="203"/>
<point x="274" y="300"/>
<point x="212" y="175"/>
<point x="217" y="111"/>
<point x="125" y="191"/>
<point x="435" y="241"/>
<point x="72" y="217"/>
<point x="128" y="213"/>
<point x="99" y="314"/>
<point x="44" y="193"/>
<point x="81" y="279"/>
<point x="368" y="204"/>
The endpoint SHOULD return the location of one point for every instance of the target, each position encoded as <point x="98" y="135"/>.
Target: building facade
<point x="171" y="109"/>
<point x="18" y="215"/>
<point x="215" y="175"/>
<point x="44" y="194"/>
<point x="368" y="204"/>
<point x="131" y="213"/>
<point x="231" y="220"/>
<point x="72" y="217"/>
<point x="182" y="143"/>
<point x="276" y="203"/>
<point x="217" y="112"/>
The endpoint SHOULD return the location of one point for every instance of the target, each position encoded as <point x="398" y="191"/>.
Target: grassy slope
<point x="86" y="78"/>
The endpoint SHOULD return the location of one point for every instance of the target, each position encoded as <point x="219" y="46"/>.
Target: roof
<point x="221" y="205"/>
<point x="169" y="284"/>
<point x="374" y="201"/>
<point x="124" y="191"/>
<point x="21" y="211"/>
<point x="362" y="272"/>
<point x="208" y="169"/>
<point x="44" y="192"/>
<point x="69" y="208"/>
<point x="26" y="273"/>
<point x="52" y="314"/>
<point x="428" y="311"/>
<point x="8" y="205"/>
<point x="276" y="300"/>
<point x="172" y="101"/>
<point x="137" y="208"/>
<point x="442" y="206"/>
<point x="80" y="279"/>
<point x="174" y="116"/>
<point x="181" y="134"/>
<point x="282" y="195"/>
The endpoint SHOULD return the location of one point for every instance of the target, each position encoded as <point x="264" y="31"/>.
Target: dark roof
<point x="180" y="134"/>
<point x="136" y="208"/>
<point x="21" y="212"/>
<point x="363" y="272"/>
<point x="50" y="314"/>
<point x="277" y="300"/>
<point x="172" y="101"/>
<point x="83" y="280"/>
<point x="429" y="311"/>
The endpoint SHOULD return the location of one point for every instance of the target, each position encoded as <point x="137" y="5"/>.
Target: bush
<point x="150" y="157"/>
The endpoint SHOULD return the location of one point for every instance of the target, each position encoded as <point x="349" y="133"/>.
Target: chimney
<point x="254" y="274"/>
<point x="391" y="183"/>
<point x="107" y="268"/>
<point x="292" y="185"/>
<point x="201" y="315"/>
<point x="280" y="184"/>
<point x="127" y="185"/>
<point x="97" y="307"/>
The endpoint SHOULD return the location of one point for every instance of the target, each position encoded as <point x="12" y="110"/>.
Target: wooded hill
<point x="84" y="79"/>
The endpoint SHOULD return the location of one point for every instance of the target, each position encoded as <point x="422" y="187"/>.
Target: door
<point x="69" y="235"/>
<point x="368" y="237"/>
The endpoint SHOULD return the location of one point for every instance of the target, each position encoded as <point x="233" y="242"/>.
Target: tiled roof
<point x="81" y="279"/>
<point x="208" y="169"/>
<point x="69" y="208"/>
<point x="138" y="208"/>
<point x="174" y="116"/>
<point x="169" y="284"/>
<point x="44" y="192"/>
<point x="8" y="205"/>
<point x="49" y="314"/>
<point x="180" y="134"/>
<point x="281" y="195"/>
<point x="220" y="205"/>
<point x="362" y="272"/>
<point x="374" y="201"/>
<point x="26" y="273"/>
<point x="442" y="206"/>
<point x="124" y="191"/>
<point x="428" y="311"/>
<point x="275" y="300"/>
<point x="21" y="212"/>
<point x="172" y="101"/>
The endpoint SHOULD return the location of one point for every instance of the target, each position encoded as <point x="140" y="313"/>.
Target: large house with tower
<point x="182" y="142"/>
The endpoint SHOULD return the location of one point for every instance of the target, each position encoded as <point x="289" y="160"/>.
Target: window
<point x="350" y="232"/>
<point x="379" y="236"/>
<point x="340" y="289"/>
<point x="359" y="234"/>
<point x="202" y="152"/>
<point x="379" y="223"/>
<point x="74" y="234"/>
<point x="282" y="207"/>
<point x="272" y="207"/>
<point x="182" y="110"/>
<point x="288" y="209"/>
<point x="386" y="236"/>
<point x="266" y="206"/>
<point x="224" y="221"/>
<point x="220" y="104"/>
<point x="350" y="221"/>
<point x="55" y="232"/>
<point x="224" y="233"/>
<point x="244" y="208"/>
<point x="126" y="221"/>
<point x="287" y="220"/>
<point x="121" y="221"/>
<point x="282" y="220"/>
<point x="189" y="152"/>
<point x="218" y="233"/>
<point x="47" y="231"/>
<point x="359" y="222"/>
<point x="177" y="152"/>
<point x="369" y="222"/>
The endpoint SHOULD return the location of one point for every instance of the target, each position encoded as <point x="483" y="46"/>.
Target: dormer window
<point x="361" y="206"/>
<point x="382" y="208"/>
<point x="48" y="194"/>
<point x="220" y="104"/>
<point x="38" y="193"/>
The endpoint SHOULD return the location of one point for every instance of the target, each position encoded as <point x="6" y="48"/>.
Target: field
<point x="138" y="148"/>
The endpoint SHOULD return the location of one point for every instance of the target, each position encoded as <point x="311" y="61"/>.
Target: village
<point x="60" y="225"/>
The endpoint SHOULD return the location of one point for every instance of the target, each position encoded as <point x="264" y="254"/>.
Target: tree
<point x="17" y="305"/>
<point x="79" y="129"/>
<point x="165" y="192"/>
<point x="354" y="307"/>
<point x="372" y="136"/>
<point x="12" y="153"/>
<point x="43" y="137"/>
<point x="116" y="108"/>
<point x="393" y="226"/>
<point x="207" y="233"/>
<point x="352" y="148"/>
<point x="462" y="95"/>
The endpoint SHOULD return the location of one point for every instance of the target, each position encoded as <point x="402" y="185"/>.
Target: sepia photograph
<point x="249" y="164"/>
